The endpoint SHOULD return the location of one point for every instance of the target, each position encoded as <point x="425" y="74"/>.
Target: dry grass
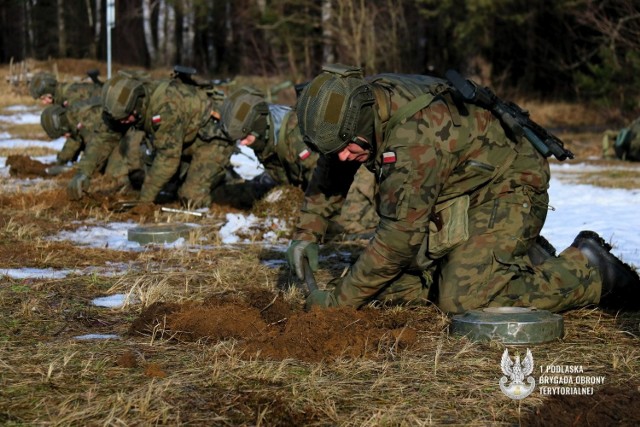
<point x="48" y="377"/>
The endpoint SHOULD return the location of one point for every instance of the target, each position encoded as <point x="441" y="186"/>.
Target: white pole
<point x="111" y="22"/>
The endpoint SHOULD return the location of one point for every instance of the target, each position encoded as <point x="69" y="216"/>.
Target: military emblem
<point x="516" y="372"/>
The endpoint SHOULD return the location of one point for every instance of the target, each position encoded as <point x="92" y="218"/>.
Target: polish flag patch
<point x="156" y="119"/>
<point x="388" y="157"/>
<point x="304" y="154"/>
<point x="79" y="125"/>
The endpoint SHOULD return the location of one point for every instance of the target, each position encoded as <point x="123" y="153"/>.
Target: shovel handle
<point x="309" y="278"/>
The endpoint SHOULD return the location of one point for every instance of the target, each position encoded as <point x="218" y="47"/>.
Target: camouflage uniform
<point x="284" y="156"/>
<point x="92" y="137"/>
<point x="624" y="145"/>
<point x="459" y="203"/>
<point x="278" y="145"/>
<point x="64" y="94"/>
<point x="289" y="160"/>
<point x="69" y="93"/>
<point x="180" y="124"/>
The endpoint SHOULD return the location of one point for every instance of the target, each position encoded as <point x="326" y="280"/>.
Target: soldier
<point x="625" y="145"/>
<point x="45" y="86"/>
<point x="460" y="202"/>
<point x="272" y="132"/>
<point x="180" y="122"/>
<point x="82" y="122"/>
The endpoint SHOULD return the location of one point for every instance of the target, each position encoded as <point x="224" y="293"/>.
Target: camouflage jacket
<point x="284" y="155"/>
<point x="90" y="134"/>
<point x="70" y="93"/>
<point x="443" y="151"/>
<point x="176" y="115"/>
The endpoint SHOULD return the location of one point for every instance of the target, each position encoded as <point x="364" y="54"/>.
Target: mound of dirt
<point x="267" y="326"/>
<point x="21" y="166"/>
<point x="281" y="202"/>
<point x="609" y="405"/>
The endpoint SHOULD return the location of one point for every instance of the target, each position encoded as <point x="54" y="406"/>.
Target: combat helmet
<point x="42" y="84"/>
<point x="241" y="111"/>
<point x="54" y="121"/>
<point x="330" y="107"/>
<point x="120" y="95"/>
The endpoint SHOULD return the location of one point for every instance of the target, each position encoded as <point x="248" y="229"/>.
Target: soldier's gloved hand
<point x="77" y="186"/>
<point x="297" y="251"/>
<point x="319" y="298"/>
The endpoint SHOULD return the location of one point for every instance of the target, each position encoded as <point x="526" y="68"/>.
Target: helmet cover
<point x="241" y="111"/>
<point x="120" y="96"/>
<point x="42" y="84"/>
<point x="54" y="121"/>
<point x="330" y="106"/>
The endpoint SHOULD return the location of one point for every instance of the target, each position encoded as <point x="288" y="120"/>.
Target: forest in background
<point x="578" y="50"/>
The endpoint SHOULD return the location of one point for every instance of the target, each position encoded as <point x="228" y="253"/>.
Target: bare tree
<point x="328" y="55"/>
<point x="617" y="23"/>
<point x="62" y="33"/>
<point x="147" y="10"/>
<point x="187" y="31"/>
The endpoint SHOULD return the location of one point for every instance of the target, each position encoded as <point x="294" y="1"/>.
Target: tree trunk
<point x="62" y="35"/>
<point x="147" y="8"/>
<point x="188" y="32"/>
<point x="328" y="56"/>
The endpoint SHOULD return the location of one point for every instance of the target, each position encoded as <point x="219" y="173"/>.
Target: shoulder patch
<point x="388" y="157"/>
<point x="156" y="119"/>
<point x="304" y="154"/>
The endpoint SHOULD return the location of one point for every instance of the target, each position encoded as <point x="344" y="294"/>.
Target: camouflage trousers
<point x="207" y="168"/>
<point x="492" y="268"/>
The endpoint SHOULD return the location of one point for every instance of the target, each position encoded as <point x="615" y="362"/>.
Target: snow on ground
<point x="22" y="118"/>
<point x="608" y="211"/>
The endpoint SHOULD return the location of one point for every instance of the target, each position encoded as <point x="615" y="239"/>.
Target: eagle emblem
<point x="516" y="372"/>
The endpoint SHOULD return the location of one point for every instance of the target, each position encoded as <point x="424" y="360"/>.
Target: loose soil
<point x="266" y="326"/>
<point x="21" y="166"/>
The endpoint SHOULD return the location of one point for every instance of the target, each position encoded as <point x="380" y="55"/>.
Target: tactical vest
<point x="193" y="99"/>
<point x="80" y="111"/>
<point x="70" y="93"/>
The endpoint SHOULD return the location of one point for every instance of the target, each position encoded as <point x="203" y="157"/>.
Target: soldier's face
<point x="355" y="152"/>
<point x="46" y="99"/>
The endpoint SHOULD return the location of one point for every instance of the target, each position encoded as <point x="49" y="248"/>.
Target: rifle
<point x="93" y="75"/>
<point x="184" y="74"/>
<point x="511" y="115"/>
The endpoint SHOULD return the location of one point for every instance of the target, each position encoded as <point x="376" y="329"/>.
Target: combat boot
<point x="620" y="282"/>
<point x="541" y="250"/>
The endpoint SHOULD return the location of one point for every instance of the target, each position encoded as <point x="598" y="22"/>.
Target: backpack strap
<point x="408" y="110"/>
